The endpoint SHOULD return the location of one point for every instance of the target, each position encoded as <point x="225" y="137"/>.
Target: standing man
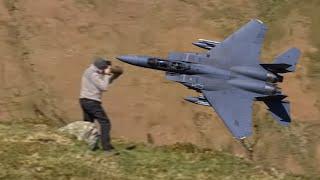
<point x="94" y="82"/>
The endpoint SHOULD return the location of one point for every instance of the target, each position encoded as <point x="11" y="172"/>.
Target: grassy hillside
<point x="45" y="154"/>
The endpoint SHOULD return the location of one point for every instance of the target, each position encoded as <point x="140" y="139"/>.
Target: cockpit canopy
<point x="168" y="65"/>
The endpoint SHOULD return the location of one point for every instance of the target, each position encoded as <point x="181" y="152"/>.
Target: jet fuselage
<point x="257" y="80"/>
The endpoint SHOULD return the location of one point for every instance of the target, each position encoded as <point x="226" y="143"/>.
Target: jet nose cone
<point x="127" y="59"/>
<point x="134" y="60"/>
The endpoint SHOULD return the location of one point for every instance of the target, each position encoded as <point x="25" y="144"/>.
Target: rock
<point x="83" y="131"/>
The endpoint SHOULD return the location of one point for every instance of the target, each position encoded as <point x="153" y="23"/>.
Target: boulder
<point x="82" y="130"/>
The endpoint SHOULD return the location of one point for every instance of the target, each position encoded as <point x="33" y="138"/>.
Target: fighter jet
<point x="230" y="76"/>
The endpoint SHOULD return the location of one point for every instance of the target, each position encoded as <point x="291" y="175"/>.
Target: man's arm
<point x="101" y="83"/>
<point x="116" y="72"/>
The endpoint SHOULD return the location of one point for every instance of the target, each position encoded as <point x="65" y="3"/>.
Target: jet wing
<point x="242" y="47"/>
<point x="235" y="109"/>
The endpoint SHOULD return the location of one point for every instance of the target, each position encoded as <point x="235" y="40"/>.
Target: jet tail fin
<point x="285" y="62"/>
<point x="280" y="110"/>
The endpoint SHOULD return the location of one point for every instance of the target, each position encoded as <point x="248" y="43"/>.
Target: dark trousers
<point x="92" y="110"/>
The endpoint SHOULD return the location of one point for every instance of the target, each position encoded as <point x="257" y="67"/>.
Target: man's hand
<point x="116" y="70"/>
<point x="108" y="71"/>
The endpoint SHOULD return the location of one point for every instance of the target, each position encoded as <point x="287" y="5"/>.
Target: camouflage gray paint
<point x="230" y="76"/>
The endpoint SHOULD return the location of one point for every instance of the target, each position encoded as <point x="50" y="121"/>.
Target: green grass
<point x="172" y="164"/>
<point x="35" y="152"/>
<point x="38" y="152"/>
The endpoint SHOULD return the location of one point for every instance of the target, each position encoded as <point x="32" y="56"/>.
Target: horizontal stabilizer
<point x="290" y="57"/>
<point x="280" y="110"/>
<point x="279" y="97"/>
<point x="277" y="68"/>
<point x="284" y="63"/>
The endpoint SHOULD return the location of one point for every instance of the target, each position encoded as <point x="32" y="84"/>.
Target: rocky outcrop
<point x="83" y="131"/>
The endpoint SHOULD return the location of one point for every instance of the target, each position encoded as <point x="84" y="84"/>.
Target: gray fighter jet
<point x="230" y="76"/>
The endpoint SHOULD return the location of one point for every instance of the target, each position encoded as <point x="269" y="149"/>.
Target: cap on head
<point x="101" y="63"/>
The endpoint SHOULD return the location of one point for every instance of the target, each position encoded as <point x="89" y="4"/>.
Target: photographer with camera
<point x="95" y="80"/>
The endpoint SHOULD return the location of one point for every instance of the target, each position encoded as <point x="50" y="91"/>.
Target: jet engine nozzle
<point x="256" y="86"/>
<point x="256" y="73"/>
<point x="272" y="78"/>
<point x="272" y="89"/>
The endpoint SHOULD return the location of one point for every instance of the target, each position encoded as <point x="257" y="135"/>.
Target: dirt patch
<point x="318" y="156"/>
<point x="293" y="166"/>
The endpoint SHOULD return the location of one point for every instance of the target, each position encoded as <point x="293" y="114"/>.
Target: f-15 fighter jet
<point x="230" y="76"/>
